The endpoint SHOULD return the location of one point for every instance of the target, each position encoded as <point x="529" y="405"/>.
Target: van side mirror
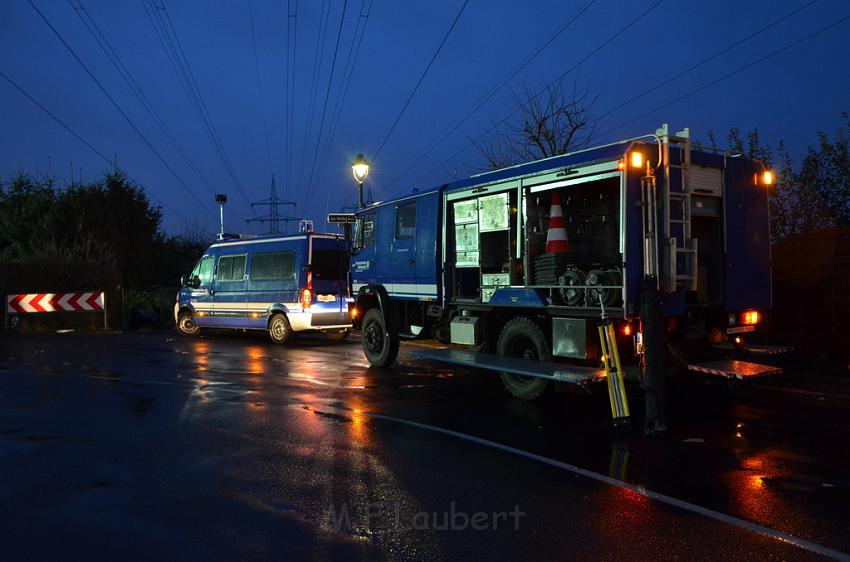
<point x="184" y="280"/>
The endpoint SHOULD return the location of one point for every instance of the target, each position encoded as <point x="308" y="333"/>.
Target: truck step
<point x="733" y="369"/>
<point x="575" y="374"/>
<point x="758" y="349"/>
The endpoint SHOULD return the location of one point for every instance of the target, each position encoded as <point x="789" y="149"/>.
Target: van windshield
<point x="329" y="265"/>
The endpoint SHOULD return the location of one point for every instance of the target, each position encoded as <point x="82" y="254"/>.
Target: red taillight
<point x="306" y="298"/>
<point x="627" y="330"/>
<point x="750" y="318"/>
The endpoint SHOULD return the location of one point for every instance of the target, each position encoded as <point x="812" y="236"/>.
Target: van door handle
<point x="210" y="291"/>
<point x="411" y="260"/>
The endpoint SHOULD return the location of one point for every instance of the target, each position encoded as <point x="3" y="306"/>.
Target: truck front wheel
<point x="522" y="338"/>
<point x="379" y="345"/>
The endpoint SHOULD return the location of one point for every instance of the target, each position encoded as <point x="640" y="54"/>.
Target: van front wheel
<point x="379" y="344"/>
<point x="186" y="325"/>
<point x="280" y="331"/>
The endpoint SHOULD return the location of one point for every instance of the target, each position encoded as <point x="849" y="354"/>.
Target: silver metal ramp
<point x="733" y="369"/>
<point x="758" y="349"/>
<point x="552" y="371"/>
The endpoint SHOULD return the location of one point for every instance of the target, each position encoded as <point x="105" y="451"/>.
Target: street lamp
<point x="360" y="168"/>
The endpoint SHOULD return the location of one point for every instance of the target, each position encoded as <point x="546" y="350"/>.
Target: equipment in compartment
<point x="604" y="285"/>
<point x="548" y="267"/>
<point x="572" y="282"/>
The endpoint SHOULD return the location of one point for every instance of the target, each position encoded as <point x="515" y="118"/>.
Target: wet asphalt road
<point x="150" y="446"/>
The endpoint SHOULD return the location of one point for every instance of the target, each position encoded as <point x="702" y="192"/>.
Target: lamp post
<point x="360" y="168"/>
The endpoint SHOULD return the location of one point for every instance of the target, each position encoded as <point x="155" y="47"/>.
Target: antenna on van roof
<point x="221" y="199"/>
<point x="273" y="217"/>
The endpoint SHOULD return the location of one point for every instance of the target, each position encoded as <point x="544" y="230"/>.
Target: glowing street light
<point x="360" y="169"/>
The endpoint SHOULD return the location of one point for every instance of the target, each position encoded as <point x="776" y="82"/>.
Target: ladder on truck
<point x="680" y="271"/>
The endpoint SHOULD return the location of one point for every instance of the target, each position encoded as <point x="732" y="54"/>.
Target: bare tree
<point x="544" y="123"/>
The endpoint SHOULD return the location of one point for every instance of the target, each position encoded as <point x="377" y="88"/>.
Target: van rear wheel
<point x="186" y="325"/>
<point x="379" y="344"/>
<point x="522" y="338"/>
<point x="280" y="331"/>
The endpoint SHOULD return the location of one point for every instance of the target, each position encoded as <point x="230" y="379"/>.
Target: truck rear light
<point x="627" y="329"/>
<point x="636" y="159"/>
<point x="750" y="318"/>
<point x="354" y="312"/>
<point x="306" y="298"/>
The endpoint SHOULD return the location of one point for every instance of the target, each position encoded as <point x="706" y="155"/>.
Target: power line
<point x="419" y="83"/>
<point x="347" y="73"/>
<point x="118" y="107"/>
<point x="325" y="105"/>
<point x="82" y="140"/>
<point x="708" y="59"/>
<point x="170" y="41"/>
<point x="260" y="85"/>
<point x="546" y="87"/>
<point x="110" y="52"/>
<point x="318" y="62"/>
<point x="495" y="90"/>
<point x="730" y="74"/>
<point x="291" y="22"/>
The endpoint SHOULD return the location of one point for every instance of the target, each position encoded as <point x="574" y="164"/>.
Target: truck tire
<point x="280" y="331"/>
<point x="522" y="338"/>
<point x="379" y="344"/>
<point x="186" y="325"/>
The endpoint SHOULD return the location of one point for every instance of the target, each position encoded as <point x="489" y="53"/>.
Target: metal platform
<point x="757" y="349"/>
<point x="735" y="369"/>
<point x="574" y="374"/>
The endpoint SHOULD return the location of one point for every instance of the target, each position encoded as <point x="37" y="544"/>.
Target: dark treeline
<point x="102" y="234"/>
<point x="810" y="196"/>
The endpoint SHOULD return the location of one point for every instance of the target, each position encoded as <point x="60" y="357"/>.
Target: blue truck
<point x="279" y="284"/>
<point x="514" y="265"/>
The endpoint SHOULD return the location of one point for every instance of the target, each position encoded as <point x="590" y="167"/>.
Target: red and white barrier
<point x="31" y="303"/>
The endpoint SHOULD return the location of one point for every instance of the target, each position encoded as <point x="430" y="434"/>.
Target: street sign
<point x="342" y="218"/>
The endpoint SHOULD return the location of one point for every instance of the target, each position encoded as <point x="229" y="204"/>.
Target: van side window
<point x="405" y="221"/>
<point x="204" y="269"/>
<point x="272" y="266"/>
<point x="366" y="230"/>
<point x="231" y="268"/>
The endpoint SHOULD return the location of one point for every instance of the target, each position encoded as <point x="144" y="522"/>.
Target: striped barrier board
<point x="33" y="303"/>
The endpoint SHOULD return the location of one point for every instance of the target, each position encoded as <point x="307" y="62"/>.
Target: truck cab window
<point x="365" y="231"/>
<point x="405" y="221"/>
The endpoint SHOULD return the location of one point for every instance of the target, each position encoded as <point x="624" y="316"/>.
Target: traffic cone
<point x="556" y="238"/>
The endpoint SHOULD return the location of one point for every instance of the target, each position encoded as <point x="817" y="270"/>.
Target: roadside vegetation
<point x="103" y="234"/>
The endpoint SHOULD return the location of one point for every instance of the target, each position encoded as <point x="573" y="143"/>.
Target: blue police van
<point x="280" y="284"/>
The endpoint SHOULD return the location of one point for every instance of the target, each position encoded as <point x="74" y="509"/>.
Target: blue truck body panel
<point x="742" y="223"/>
<point x="404" y="256"/>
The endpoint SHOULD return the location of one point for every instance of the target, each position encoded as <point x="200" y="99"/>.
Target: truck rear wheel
<point x="280" y="331"/>
<point x="379" y="345"/>
<point x="522" y="338"/>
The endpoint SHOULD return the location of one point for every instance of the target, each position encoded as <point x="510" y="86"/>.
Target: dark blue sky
<point x="789" y="96"/>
